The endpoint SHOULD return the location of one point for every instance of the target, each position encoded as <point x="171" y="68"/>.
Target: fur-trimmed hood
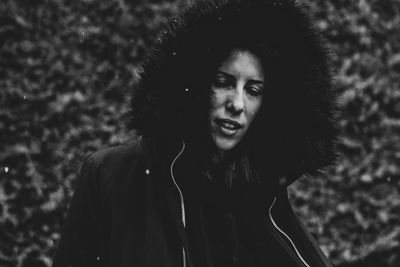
<point x="295" y="128"/>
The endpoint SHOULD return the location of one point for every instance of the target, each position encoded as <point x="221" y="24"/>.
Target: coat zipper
<point x="280" y="239"/>
<point x="181" y="198"/>
<point x="277" y="236"/>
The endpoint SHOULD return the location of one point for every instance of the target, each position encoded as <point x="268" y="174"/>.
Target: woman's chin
<point x="225" y="145"/>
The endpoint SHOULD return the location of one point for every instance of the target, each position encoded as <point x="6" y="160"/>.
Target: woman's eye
<point x="220" y="81"/>
<point x="254" y="90"/>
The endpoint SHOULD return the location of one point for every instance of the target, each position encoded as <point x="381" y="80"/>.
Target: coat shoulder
<point x="109" y="167"/>
<point x="118" y="155"/>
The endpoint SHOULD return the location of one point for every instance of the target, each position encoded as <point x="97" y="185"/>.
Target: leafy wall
<point x="66" y="68"/>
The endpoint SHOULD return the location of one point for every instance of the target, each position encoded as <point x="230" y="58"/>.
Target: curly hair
<point x="295" y="127"/>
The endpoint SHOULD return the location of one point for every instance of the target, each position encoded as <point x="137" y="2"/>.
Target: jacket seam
<point x="285" y="234"/>
<point x="279" y="238"/>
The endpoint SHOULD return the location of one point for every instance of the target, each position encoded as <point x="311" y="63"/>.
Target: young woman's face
<point x="237" y="94"/>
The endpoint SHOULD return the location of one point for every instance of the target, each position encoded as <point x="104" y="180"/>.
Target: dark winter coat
<point x="127" y="211"/>
<point x="129" y="208"/>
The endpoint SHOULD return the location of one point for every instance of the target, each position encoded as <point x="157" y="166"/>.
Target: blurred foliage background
<point x="66" y="70"/>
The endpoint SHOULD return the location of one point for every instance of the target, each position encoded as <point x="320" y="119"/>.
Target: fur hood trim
<point x="295" y="127"/>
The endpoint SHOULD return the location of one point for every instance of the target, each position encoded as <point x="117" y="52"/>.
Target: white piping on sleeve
<point x="284" y="234"/>
<point x="181" y="198"/>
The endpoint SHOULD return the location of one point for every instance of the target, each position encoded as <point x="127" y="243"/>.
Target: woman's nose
<point x="235" y="103"/>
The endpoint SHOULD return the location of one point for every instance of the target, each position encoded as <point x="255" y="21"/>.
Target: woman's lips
<point x="228" y="127"/>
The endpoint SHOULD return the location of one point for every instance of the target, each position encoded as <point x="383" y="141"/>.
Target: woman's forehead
<point x="244" y="64"/>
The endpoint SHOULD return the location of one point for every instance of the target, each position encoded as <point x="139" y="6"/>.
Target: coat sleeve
<point x="80" y="243"/>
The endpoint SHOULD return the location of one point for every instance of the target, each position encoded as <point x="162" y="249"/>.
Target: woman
<point x="234" y="104"/>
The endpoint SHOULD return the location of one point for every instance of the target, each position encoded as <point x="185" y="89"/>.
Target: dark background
<point x="66" y="70"/>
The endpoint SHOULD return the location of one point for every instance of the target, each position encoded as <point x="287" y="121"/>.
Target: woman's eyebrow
<point x="256" y="81"/>
<point x="226" y="74"/>
<point x="230" y="76"/>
